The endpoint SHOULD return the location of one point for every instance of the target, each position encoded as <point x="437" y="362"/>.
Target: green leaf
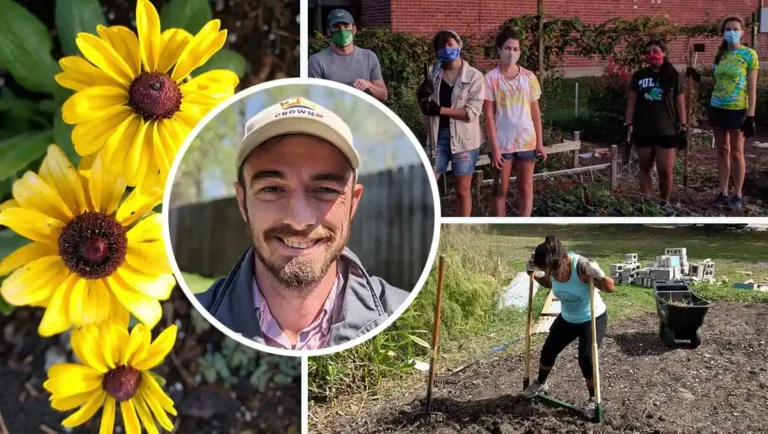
<point x="419" y="341"/>
<point x="49" y="106"/>
<point x="25" y="48"/>
<point x="190" y="15"/>
<point x="20" y="150"/>
<point x="10" y="242"/>
<point x="20" y="108"/>
<point x="74" y="16"/>
<point x="5" y="308"/>
<point x="62" y="136"/>
<point x="224" y="59"/>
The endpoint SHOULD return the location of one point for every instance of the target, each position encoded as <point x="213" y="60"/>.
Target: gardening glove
<point x="593" y="270"/>
<point x="431" y="109"/>
<point x="691" y="72"/>
<point x="682" y="137"/>
<point x="425" y="90"/>
<point x="749" y="127"/>
<point x="530" y="266"/>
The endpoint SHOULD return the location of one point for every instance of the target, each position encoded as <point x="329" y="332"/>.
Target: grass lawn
<point x="197" y="283"/>
<point x="560" y="104"/>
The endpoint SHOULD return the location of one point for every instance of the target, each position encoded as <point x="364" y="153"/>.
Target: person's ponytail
<point x="720" y="51"/>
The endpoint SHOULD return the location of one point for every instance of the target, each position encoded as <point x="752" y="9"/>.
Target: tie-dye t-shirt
<point x="730" y="90"/>
<point x="512" y="99"/>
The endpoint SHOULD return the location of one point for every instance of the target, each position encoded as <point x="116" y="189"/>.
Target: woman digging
<point x="657" y="107"/>
<point x="568" y="275"/>
<point x="453" y="99"/>
<point x="513" y="123"/>
<point x="732" y="108"/>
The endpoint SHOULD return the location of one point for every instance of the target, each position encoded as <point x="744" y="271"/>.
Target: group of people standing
<point x="456" y="94"/>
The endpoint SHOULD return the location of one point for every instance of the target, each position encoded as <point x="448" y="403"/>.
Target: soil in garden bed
<point x="721" y="387"/>
<point x="202" y="408"/>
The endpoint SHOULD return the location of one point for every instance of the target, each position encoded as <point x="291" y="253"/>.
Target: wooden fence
<point x="391" y="232"/>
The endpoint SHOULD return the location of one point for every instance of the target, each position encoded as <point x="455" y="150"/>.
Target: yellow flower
<point x="93" y="256"/>
<point x="134" y="102"/>
<point x="115" y="369"/>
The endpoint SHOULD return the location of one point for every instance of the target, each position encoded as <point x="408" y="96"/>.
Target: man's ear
<point x="240" y="192"/>
<point x="354" y="29"/>
<point x="357" y="193"/>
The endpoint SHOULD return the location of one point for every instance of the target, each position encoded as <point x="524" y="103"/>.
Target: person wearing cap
<point x="343" y="62"/>
<point x="297" y="286"/>
<point x="452" y="96"/>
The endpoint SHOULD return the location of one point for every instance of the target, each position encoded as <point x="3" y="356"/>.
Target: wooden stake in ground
<point x="689" y="110"/>
<point x="595" y="361"/>
<point x="435" y="332"/>
<point x="527" y="378"/>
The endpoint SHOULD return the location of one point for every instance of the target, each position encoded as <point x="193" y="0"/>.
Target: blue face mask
<point x="732" y="36"/>
<point x="449" y="54"/>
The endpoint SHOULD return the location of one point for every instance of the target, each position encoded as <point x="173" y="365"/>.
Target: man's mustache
<point x="312" y="235"/>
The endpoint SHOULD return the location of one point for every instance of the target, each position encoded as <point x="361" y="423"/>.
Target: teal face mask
<point x="342" y="38"/>
<point x="732" y="36"/>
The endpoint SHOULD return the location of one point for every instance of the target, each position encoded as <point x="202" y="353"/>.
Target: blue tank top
<point x="574" y="296"/>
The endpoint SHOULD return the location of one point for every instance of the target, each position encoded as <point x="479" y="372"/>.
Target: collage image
<point x="383" y="216"/>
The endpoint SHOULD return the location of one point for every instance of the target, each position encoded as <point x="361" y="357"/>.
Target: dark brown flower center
<point x="154" y="96"/>
<point x="93" y="245"/>
<point x="121" y="382"/>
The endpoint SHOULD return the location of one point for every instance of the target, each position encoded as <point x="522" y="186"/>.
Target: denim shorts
<point x="462" y="163"/>
<point x="521" y="156"/>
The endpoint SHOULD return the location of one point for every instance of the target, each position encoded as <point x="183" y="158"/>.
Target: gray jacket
<point x="368" y="301"/>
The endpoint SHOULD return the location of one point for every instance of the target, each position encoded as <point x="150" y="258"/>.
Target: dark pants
<point x="562" y="333"/>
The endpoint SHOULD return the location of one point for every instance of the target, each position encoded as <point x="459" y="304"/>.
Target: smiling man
<point x="298" y="286"/>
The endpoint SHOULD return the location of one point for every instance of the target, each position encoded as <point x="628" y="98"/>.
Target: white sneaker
<point x="534" y="389"/>
<point x="590" y="408"/>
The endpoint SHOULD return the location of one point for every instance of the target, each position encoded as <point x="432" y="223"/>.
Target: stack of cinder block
<point x="682" y="253"/>
<point x="625" y="272"/>
<point x="673" y="265"/>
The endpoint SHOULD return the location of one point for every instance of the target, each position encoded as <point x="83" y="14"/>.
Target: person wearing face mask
<point x="568" y="274"/>
<point x="513" y="123"/>
<point x="656" y="113"/>
<point x="452" y="97"/>
<point x="343" y="62"/>
<point x="732" y="108"/>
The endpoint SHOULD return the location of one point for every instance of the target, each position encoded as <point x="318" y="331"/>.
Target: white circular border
<point x="167" y="233"/>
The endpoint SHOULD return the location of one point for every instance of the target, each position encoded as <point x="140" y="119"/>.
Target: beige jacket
<point x="468" y="93"/>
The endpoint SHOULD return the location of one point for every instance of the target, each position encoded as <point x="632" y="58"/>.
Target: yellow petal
<point x="135" y="342"/>
<point x="188" y="116"/>
<point x="163" y="153"/>
<point x="87" y="348"/>
<point x="155" y="286"/>
<point x="32" y="224"/>
<point x="155" y="406"/>
<point x="108" y="416"/>
<point x="160" y="348"/>
<point x="155" y="391"/>
<point x="56" y="317"/>
<point x="218" y="83"/>
<point x="32" y="192"/>
<point x="148" y="257"/>
<point x="80" y="74"/>
<point x="60" y="174"/>
<point x="119" y="144"/>
<point x="90" y="136"/>
<point x="101" y="54"/>
<point x="174" y="42"/>
<point x="86" y="411"/>
<point x="136" y="205"/>
<point x="125" y="43"/>
<point x="115" y="340"/>
<point x="105" y="188"/>
<point x="149" y="229"/>
<point x="92" y="103"/>
<point x="25" y="255"/>
<point x="120" y="314"/>
<point x="10" y="203"/>
<point x="173" y="134"/>
<point x="150" y="39"/>
<point x="130" y="420"/>
<point x="199" y="104"/>
<point x="34" y="282"/>
<point x="153" y="178"/>
<point x="146" y="417"/>
<point x="135" y="163"/>
<point x="205" y="44"/>
<point x="144" y="308"/>
<point x="69" y="379"/>
<point x="66" y="403"/>
<point x="89" y="303"/>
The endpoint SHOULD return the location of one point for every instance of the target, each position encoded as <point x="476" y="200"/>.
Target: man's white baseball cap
<point x="297" y="116"/>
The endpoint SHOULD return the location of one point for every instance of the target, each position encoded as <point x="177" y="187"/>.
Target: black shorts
<point x="725" y="119"/>
<point x="664" y="142"/>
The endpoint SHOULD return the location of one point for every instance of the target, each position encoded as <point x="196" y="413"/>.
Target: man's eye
<point x="271" y="189"/>
<point x="328" y="190"/>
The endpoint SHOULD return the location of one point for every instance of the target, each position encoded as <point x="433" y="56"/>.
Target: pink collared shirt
<point x="315" y="336"/>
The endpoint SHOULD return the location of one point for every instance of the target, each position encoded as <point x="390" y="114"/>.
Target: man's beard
<point x="301" y="273"/>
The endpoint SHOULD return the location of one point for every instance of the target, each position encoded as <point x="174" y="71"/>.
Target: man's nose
<point x="299" y="212"/>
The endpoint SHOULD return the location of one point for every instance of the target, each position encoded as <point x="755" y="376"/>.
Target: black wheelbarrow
<point x="681" y="313"/>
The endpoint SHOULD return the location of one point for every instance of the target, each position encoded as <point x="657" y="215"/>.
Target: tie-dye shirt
<point x="730" y="90"/>
<point x="512" y="99"/>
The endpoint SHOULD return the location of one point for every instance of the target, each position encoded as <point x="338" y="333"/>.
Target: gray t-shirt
<point x="361" y="64"/>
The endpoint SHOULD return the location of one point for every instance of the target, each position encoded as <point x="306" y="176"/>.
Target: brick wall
<point x="480" y="18"/>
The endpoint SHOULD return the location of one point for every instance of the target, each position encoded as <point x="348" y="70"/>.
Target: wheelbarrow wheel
<point x="668" y="337"/>
<point x="696" y="341"/>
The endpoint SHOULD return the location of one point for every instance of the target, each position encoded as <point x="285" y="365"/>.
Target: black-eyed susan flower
<point x="114" y="372"/>
<point x="94" y="255"/>
<point x="135" y="99"/>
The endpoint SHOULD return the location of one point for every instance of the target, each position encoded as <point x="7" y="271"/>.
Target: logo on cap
<point x="298" y="106"/>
